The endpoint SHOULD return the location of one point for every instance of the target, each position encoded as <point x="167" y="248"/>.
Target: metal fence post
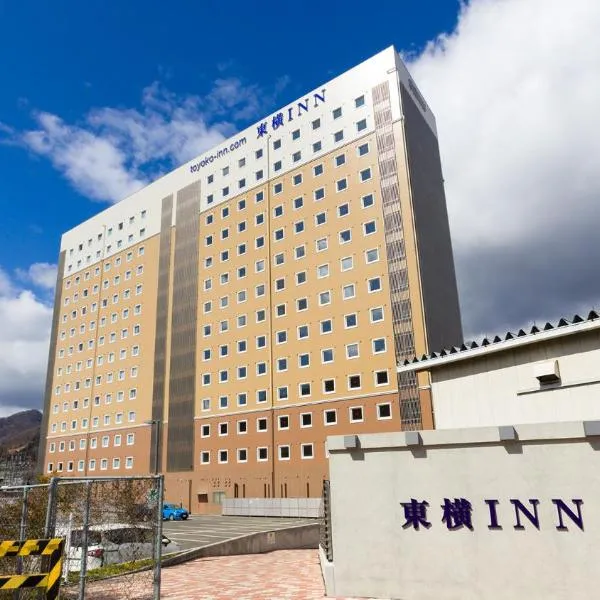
<point x="51" y="508"/>
<point x="22" y="536"/>
<point x="160" y="481"/>
<point x="84" y="540"/>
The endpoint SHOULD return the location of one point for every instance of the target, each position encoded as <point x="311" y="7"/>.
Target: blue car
<point x="174" y="513"/>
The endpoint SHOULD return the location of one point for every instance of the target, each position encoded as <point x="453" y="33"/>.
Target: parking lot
<point x="201" y="530"/>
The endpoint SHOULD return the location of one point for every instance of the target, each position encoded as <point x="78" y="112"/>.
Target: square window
<point x="343" y="210"/>
<point x="205" y="431"/>
<point x="341" y="184"/>
<point x="297" y="179"/>
<point x="242" y="427"/>
<point x="304" y="389"/>
<point x="302" y="332"/>
<point x="324" y="298"/>
<point x="345" y="236"/>
<point x="242" y="455"/>
<point x="379" y="345"/>
<point x="326" y="326"/>
<point x="374" y="284"/>
<point x="354" y="382"/>
<point x="278" y="188"/>
<point x="299" y="227"/>
<point x="321" y="244"/>
<point x="261" y="424"/>
<point x="261" y="396"/>
<point x="367" y="200"/>
<point x="352" y="350"/>
<point x="369" y="227"/>
<point x="278" y="211"/>
<point x="262" y="454"/>
<point x="358" y="102"/>
<point x="376" y="314"/>
<point x="317" y="146"/>
<point x="298" y="203"/>
<point x="337" y="113"/>
<point x="361" y="125"/>
<point x="338" y="136"/>
<point x="348" y="291"/>
<point x="340" y="160"/>
<point x="319" y="194"/>
<point x="279" y="258"/>
<point x="384" y="411"/>
<point x="300" y="277"/>
<point x="381" y="378"/>
<point x="363" y="149"/>
<point x="330" y="417"/>
<point x="242" y="399"/>
<point x="327" y="355"/>
<point x="372" y="255"/>
<point x="283" y="422"/>
<point x="356" y="414"/>
<point x="223" y="456"/>
<point x="242" y="203"/>
<point x="296" y="156"/>
<point x="281" y="337"/>
<point x="280" y="284"/>
<point x="299" y="252"/>
<point x="279" y="234"/>
<point x="307" y="451"/>
<point x="205" y="457"/>
<point x="223" y="429"/>
<point x="346" y="263"/>
<point x="320" y="218"/>
<point x="276" y="144"/>
<point x="304" y="360"/>
<point x="316" y="124"/>
<point x="323" y="271"/>
<point x="280" y="310"/>
<point x="281" y="365"/>
<point x="284" y="453"/>
<point x="317" y="170"/>
<point x="365" y="174"/>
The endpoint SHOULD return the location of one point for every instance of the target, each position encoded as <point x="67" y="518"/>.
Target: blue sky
<point x="99" y="98"/>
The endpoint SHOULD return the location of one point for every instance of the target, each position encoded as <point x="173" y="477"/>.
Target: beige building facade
<point x="258" y="299"/>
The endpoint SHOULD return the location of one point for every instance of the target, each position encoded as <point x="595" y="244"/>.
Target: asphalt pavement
<point x="201" y="530"/>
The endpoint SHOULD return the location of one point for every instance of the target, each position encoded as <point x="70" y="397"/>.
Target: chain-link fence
<point x="112" y="529"/>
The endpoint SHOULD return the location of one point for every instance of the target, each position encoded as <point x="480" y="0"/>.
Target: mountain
<point x="20" y="432"/>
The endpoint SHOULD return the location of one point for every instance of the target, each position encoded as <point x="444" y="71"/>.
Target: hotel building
<point x="220" y="323"/>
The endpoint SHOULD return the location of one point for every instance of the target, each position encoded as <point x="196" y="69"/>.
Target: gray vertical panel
<point x="182" y="376"/>
<point x="162" y="312"/>
<point x="404" y="341"/>
<point x="434" y="245"/>
<point x="51" y="362"/>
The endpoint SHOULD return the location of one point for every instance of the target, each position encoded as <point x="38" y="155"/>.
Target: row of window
<point x="107" y="266"/>
<point x="125" y="295"/>
<point x="84" y="423"/>
<point x="131" y="238"/>
<point x="105" y="443"/>
<point x="112" y="338"/>
<point x="305" y="420"/>
<point x="102" y="463"/>
<point x="305" y="389"/>
<point x="89" y="363"/>
<point x="295" y="157"/>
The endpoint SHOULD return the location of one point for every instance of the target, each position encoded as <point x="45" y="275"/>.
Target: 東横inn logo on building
<point x="457" y="513"/>
<point x="290" y="113"/>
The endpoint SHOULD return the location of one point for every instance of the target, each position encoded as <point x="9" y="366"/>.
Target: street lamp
<point x="158" y="423"/>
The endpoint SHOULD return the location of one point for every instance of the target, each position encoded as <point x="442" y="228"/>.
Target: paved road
<point x="202" y="530"/>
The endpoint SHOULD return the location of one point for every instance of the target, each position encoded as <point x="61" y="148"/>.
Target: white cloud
<point x="515" y="89"/>
<point x="24" y="338"/>
<point x="42" y="275"/>
<point x="116" y="151"/>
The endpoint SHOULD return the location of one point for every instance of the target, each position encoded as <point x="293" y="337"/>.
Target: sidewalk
<point x="280" y="575"/>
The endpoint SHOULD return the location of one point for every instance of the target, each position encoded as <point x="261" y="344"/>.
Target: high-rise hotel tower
<point x="220" y="323"/>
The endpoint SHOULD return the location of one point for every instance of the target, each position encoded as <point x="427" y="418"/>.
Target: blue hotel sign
<point x="456" y="513"/>
<point x="281" y="118"/>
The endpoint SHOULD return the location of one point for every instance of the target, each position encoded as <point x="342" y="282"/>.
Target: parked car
<point x="172" y="512"/>
<point x="112" y="544"/>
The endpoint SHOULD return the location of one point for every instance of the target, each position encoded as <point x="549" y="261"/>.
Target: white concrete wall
<point x="374" y="556"/>
<point x="272" y="507"/>
<point x="501" y="388"/>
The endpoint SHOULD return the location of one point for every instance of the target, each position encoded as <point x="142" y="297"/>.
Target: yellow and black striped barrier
<point x="52" y="548"/>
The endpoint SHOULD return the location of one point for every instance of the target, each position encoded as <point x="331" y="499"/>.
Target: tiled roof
<point x="509" y="340"/>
